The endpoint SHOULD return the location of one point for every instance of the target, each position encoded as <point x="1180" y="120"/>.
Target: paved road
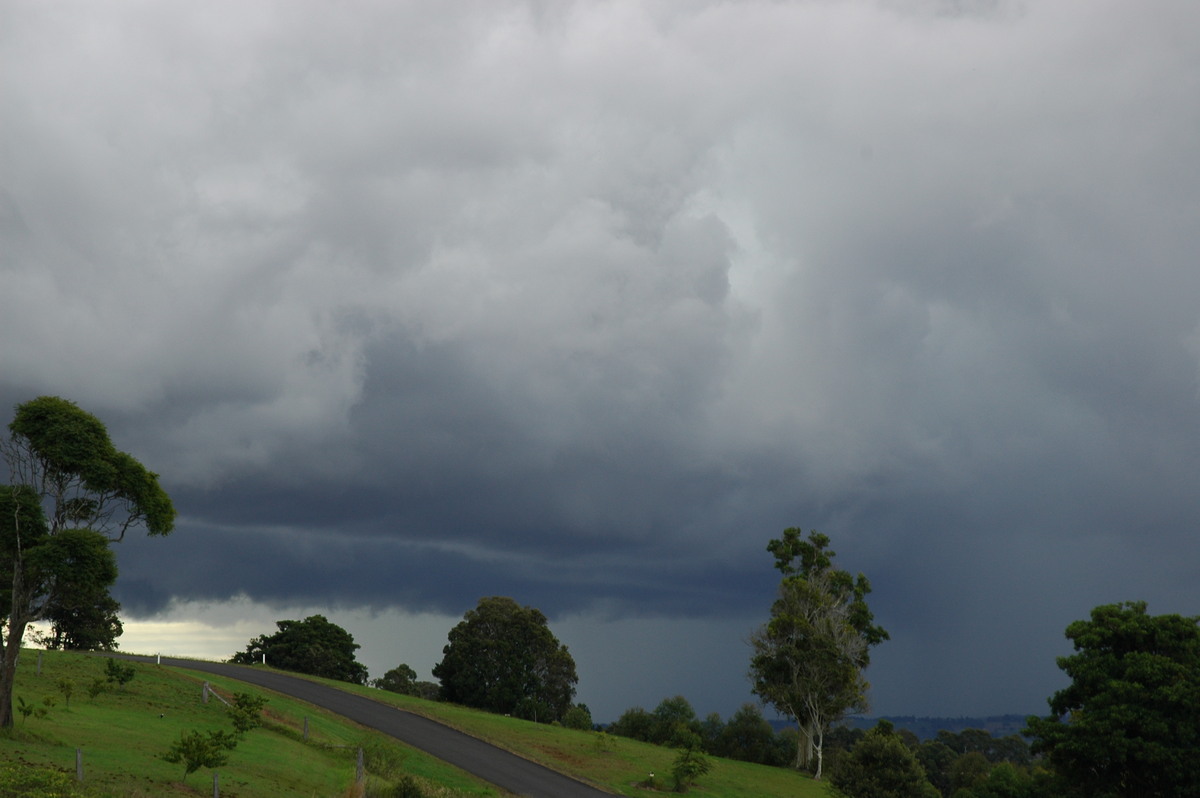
<point x="494" y="765"/>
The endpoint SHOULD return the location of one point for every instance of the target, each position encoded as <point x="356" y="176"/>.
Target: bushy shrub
<point x="27" y="782"/>
<point x="689" y="765"/>
<point x="118" y="674"/>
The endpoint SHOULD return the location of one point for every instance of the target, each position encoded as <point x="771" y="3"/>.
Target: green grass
<point x="124" y="732"/>
<point x="123" y="738"/>
<point x="613" y="763"/>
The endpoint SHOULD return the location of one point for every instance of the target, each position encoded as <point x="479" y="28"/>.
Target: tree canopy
<point x="401" y="679"/>
<point x="808" y="660"/>
<point x="503" y="658"/>
<point x="1129" y="722"/>
<point x="313" y="646"/>
<point x="72" y="493"/>
<point x="65" y="455"/>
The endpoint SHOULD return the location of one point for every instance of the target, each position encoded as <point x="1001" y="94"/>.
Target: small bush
<point x="382" y="759"/>
<point x="66" y="687"/>
<point x="201" y="750"/>
<point x="119" y="674"/>
<point x="690" y="765"/>
<point x="246" y="711"/>
<point x="27" y="782"/>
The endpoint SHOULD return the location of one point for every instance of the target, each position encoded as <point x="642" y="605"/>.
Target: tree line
<point x="1127" y="726"/>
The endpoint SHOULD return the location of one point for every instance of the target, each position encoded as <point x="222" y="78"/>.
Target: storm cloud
<point x="582" y="303"/>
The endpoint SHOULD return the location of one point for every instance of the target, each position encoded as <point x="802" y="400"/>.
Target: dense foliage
<point x="313" y="646"/>
<point x="401" y="679"/>
<point x="1129" y="722"/>
<point x="503" y="658"/>
<point x="881" y="766"/>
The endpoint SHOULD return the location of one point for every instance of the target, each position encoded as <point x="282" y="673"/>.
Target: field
<point x="123" y="732"/>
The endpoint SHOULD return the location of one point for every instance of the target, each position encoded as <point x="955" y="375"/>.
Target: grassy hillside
<point x="124" y="732"/>
<point x="614" y="763"/>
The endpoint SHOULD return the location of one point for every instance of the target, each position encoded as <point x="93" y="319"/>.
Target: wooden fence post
<point x="306" y="727"/>
<point x="216" y="784"/>
<point x="359" y="770"/>
<point x="79" y="764"/>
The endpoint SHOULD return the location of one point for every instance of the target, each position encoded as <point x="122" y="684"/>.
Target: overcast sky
<point x="583" y="303"/>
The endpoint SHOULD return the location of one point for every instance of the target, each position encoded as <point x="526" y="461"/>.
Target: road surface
<point x="494" y="765"/>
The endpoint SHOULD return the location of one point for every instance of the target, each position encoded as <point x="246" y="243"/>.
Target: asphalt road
<point x="494" y="765"/>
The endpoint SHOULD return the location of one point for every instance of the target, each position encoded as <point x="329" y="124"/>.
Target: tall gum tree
<point x="808" y="660"/>
<point x="72" y="494"/>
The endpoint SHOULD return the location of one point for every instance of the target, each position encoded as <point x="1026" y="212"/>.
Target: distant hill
<point x="927" y="728"/>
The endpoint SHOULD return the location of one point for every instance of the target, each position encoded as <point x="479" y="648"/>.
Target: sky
<point x="583" y="303"/>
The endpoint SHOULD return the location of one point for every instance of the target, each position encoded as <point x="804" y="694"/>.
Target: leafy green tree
<point x="401" y="679"/>
<point x="578" y="717"/>
<point x="72" y="493"/>
<point x="118" y="674"/>
<point x="80" y="624"/>
<point x="635" y="723"/>
<point x="748" y="737"/>
<point x="689" y="765"/>
<point x="313" y="646"/>
<point x="1004" y="780"/>
<point x="675" y="722"/>
<point x="67" y="688"/>
<point x="808" y="659"/>
<point x="1129" y="723"/>
<point x="881" y="766"/>
<point x="245" y="712"/>
<point x="503" y="658"/>
<point x="937" y="758"/>
<point x="197" y="750"/>
<point x="968" y="770"/>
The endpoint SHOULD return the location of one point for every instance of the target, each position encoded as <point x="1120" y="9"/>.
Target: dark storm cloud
<point x="584" y="303"/>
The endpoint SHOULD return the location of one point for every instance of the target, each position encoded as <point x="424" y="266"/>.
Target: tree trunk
<point x="820" y="746"/>
<point x="8" y="669"/>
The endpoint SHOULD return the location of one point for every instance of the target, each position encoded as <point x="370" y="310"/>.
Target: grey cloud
<point x="583" y="304"/>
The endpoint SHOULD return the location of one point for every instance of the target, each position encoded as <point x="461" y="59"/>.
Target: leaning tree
<point x="71" y="494"/>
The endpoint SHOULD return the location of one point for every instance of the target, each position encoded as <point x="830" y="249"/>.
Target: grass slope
<point x="123" y="734"/>
<point x="617" y="764"/>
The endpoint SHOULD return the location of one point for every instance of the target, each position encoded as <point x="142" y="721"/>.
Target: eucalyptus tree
<point x="808" y="659"/>
<point x="72" y="494"/>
